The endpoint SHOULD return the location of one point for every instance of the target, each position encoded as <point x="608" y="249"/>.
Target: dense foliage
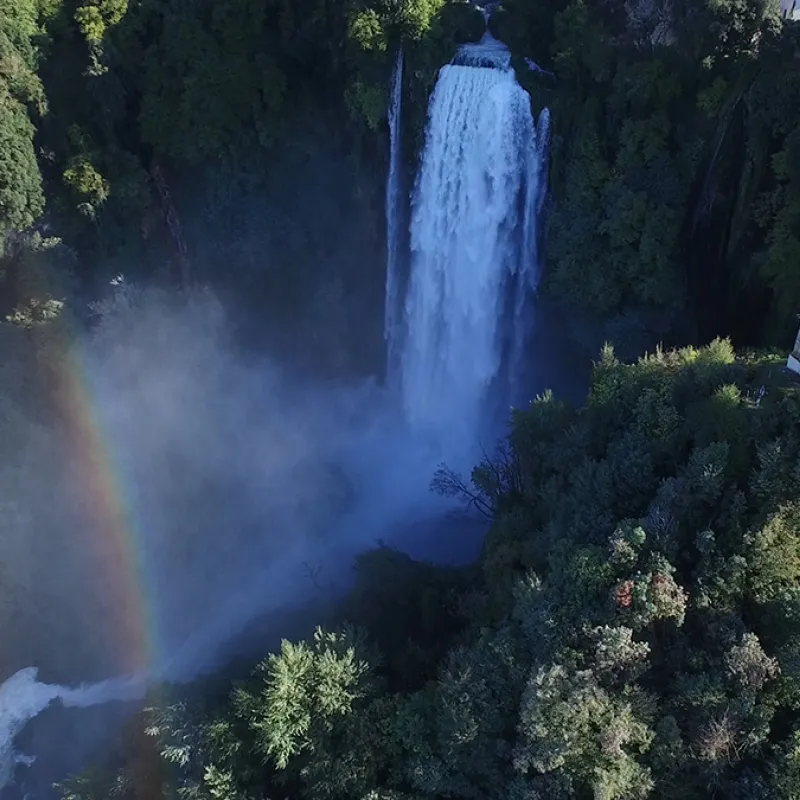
<point x="675" y="205"/>
<point x="632" y="629"/>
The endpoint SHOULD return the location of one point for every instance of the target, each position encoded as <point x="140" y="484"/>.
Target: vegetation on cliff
<point x="676" y="193"/>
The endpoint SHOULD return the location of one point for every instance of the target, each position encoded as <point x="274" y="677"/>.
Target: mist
<point x="169" y="489"/>
<point x="184" y="480"/>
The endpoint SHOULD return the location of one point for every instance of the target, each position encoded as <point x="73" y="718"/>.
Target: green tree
<point x="21" y="95"/>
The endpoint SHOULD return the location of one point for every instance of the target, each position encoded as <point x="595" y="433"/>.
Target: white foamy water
<point x="543" y="142"/>
<point x="474" y="264"/>
<point x="22" y="697"/>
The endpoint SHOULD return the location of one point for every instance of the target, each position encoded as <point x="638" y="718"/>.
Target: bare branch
<point x="448" y="483"/>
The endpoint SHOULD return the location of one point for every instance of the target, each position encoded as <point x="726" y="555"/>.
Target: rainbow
<point x="113" y="524"/>
<point x="115" y="535"/>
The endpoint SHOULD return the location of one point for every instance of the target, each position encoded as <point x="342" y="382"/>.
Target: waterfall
<point x="474" y="261"/>
<point x="392" y="310"/>
<point x="543" y="139"/>
<point x="528" y="277"/>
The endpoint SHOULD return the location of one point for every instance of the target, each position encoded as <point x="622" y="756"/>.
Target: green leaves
<point x="96" y="16"/>
<point x="89" y="185"/>
<point x="648" y="205"/>
<point x="774" y="557"/>
<point x="287" y="703"/>
<point x="205" y="81"/>
<point x="367" y="31"/>
<point x="417" y="16"/>
<point x="21" y="195"/>
<point x="304" y="691"/>
<point x="366" y="102"/>
<point x="571" y="724"/>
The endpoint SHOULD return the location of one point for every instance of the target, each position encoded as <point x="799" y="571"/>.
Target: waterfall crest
<point x="474" y="260"/>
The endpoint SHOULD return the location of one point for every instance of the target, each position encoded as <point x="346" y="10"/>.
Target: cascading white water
<point x="528" y="276"/>
<point x="392" y="309"/>
<point x="543" y="140"/>
<point x="22" y="697"/>
<point x="473" y="243"/>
